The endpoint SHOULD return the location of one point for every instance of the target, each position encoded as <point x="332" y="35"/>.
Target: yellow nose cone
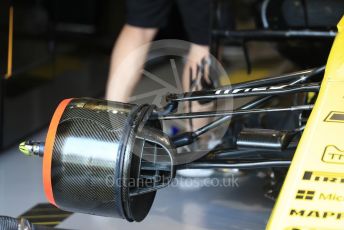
<point x="340" y="25"/>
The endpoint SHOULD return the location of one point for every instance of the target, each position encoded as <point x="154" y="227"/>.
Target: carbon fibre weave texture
<point x="84" y="175"/>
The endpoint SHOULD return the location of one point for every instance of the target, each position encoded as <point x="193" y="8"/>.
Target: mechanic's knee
<point x="146" y="34"/>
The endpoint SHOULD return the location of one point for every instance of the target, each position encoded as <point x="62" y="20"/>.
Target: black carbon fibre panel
<point x="84" y="175"/>
<point x="92" y="159"/>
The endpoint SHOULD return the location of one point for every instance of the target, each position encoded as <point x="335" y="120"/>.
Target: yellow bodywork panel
<point x="312" y="196"/>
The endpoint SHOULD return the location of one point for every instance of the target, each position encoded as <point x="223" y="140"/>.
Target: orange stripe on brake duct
<point x="48" y="150"/>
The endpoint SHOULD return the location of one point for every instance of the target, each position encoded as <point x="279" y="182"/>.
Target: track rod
<point x="234" y="113"/>
<point x="246" y="165"/>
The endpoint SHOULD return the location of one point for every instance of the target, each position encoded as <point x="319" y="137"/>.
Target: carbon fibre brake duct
<point x="104" y="158"/>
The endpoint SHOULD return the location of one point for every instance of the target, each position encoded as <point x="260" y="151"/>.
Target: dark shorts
<point x="155" y="14"/>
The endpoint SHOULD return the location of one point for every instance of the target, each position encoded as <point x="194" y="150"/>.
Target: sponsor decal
<point x="326" y="177"/>
<point x="246" y="90"/>
<point x="304" y="195"/>
<point x="333" y="155"/>
<point x="310" y="195"/>
<point x="317" y="214"/>
<point x="335" y="117"/>
<point x="331" y="197"/>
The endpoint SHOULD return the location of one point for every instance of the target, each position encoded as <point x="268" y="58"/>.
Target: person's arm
<point x="128" y="57"/>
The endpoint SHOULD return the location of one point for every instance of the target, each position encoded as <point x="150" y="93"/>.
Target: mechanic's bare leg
<point x="196" y="54"/>
<point x="122" y="76"/>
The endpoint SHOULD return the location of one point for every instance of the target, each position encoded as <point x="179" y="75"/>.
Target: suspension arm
<point x="234" y="113"/>
<point x="244" y="92"/>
